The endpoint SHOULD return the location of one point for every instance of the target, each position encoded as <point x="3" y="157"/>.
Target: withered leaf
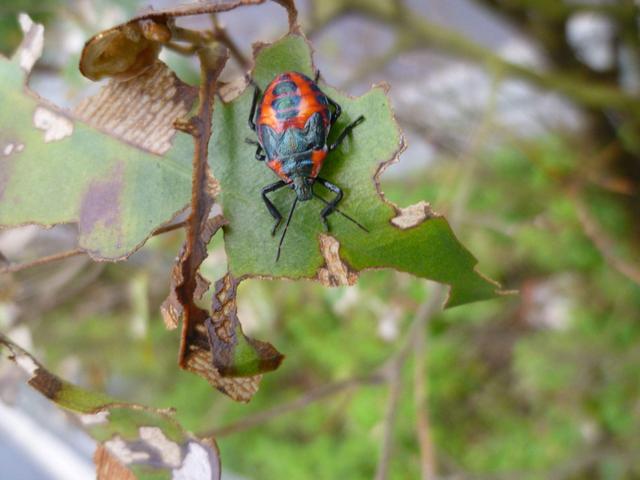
<point x="127" y="50"/>
<point x="234" y="354"/>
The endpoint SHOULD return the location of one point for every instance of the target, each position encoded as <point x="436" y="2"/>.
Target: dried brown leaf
<point x="141" y="111"/>
<point x="335" y="272"/>
<point x="413" y="215"/>
<point x="235" y="354"/>
<point x="108" y="467"/>
<point x="172" y="308"/>
<point x="129" y="49"/>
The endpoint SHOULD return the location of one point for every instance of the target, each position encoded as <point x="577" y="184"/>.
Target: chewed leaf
<point x="135" y="441"/>
<point x="234" y="354"/>
<point x="110" y="166"/>
<point x="413" y="240"/>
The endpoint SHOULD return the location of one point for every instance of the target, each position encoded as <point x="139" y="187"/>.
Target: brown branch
<point x="603" y="242"/>
<point x="389" y="422"/>
<point x="169" y="228"/>
<point x="299" y="403"/>
<point x="221" y="35"/>
<point x="18" y="267"/>
<point x="425" y="312"/>
<point x="420" y="397"/>
<point x="212" y="61"/>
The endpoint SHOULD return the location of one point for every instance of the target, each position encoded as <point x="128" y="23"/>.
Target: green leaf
<point x="147" y="442"/>
<point x="429" y="249"/>
<point x="56" y="168"/>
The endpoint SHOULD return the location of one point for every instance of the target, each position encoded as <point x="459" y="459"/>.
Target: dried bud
<point x="125" y="51"/>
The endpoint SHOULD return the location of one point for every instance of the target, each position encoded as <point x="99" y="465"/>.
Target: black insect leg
<point x="260" y="156"/>
<point x="337" y="110"/>
<point x="346" y="132"/>
<point x="270" y="206"/>
<point x="331" y="205"/>
<point x="254" y="103"/>
<point x="317" y="76"/>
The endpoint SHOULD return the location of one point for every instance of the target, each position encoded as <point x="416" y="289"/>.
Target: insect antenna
<point x="293" y="207"/>
<point x="341" y="212"/>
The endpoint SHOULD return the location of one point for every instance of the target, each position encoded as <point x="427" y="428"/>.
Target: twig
<point x="603" y="242"/>
<point x="299" y="403"/>
<point x="169" y="228"/>
<point x="18" y="267"/>
<point x="212" y="60"/>
<point x="220" y="34"/>
<point x="428" y="465"/>
<point x="390" y="416"/>
<point x="425" y="312"/>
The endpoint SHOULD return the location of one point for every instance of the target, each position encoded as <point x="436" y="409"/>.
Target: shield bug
<point x="292" y="121"/>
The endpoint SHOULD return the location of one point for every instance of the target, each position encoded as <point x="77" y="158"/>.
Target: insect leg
<point x="254" y="104"/>
<point x="260" y="156"/>
<point x="331" y="205"/>
<point x="346" y="132"/>
<point x="337" y="110"/>
<point x="348" y="217"/>
<point x="317" y="77"/>
<point x="270" y="206"/>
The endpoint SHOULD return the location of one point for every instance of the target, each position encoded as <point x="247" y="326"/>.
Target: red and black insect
<point x="292" y="121"/>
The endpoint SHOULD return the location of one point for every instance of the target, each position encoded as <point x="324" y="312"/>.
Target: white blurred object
<point x="591" y="35"/>
<point x="56" y="458"/>
<point x="388" y="323"/>
<point x="548" y="302"/>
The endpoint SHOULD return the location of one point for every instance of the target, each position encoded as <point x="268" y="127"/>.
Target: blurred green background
<point x="543" y="175"/>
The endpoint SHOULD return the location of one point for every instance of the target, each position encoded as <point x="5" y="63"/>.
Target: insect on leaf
<point x="412" y="240"/>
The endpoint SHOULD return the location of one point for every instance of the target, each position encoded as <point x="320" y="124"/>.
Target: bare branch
<point x="423" y="428"/>
<point x="299" y="403"/>
<point x="389" y="422"/>
<point x="18" y="267"/>
<point x="603" y="242"/>
<point x="221" y="35"/>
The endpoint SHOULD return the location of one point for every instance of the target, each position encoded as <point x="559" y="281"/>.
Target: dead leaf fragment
<point x="108" y="467"/>
<point x="335" y="272"/>
<point x="235" y="354"/>
<point x="141" y="111"/>
<point x="172" y="308"/>
<point x="125" y="51"/>
<point x="413" y="215"/>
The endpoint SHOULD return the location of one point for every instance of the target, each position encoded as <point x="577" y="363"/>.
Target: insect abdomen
<point x="290" y="100"/>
